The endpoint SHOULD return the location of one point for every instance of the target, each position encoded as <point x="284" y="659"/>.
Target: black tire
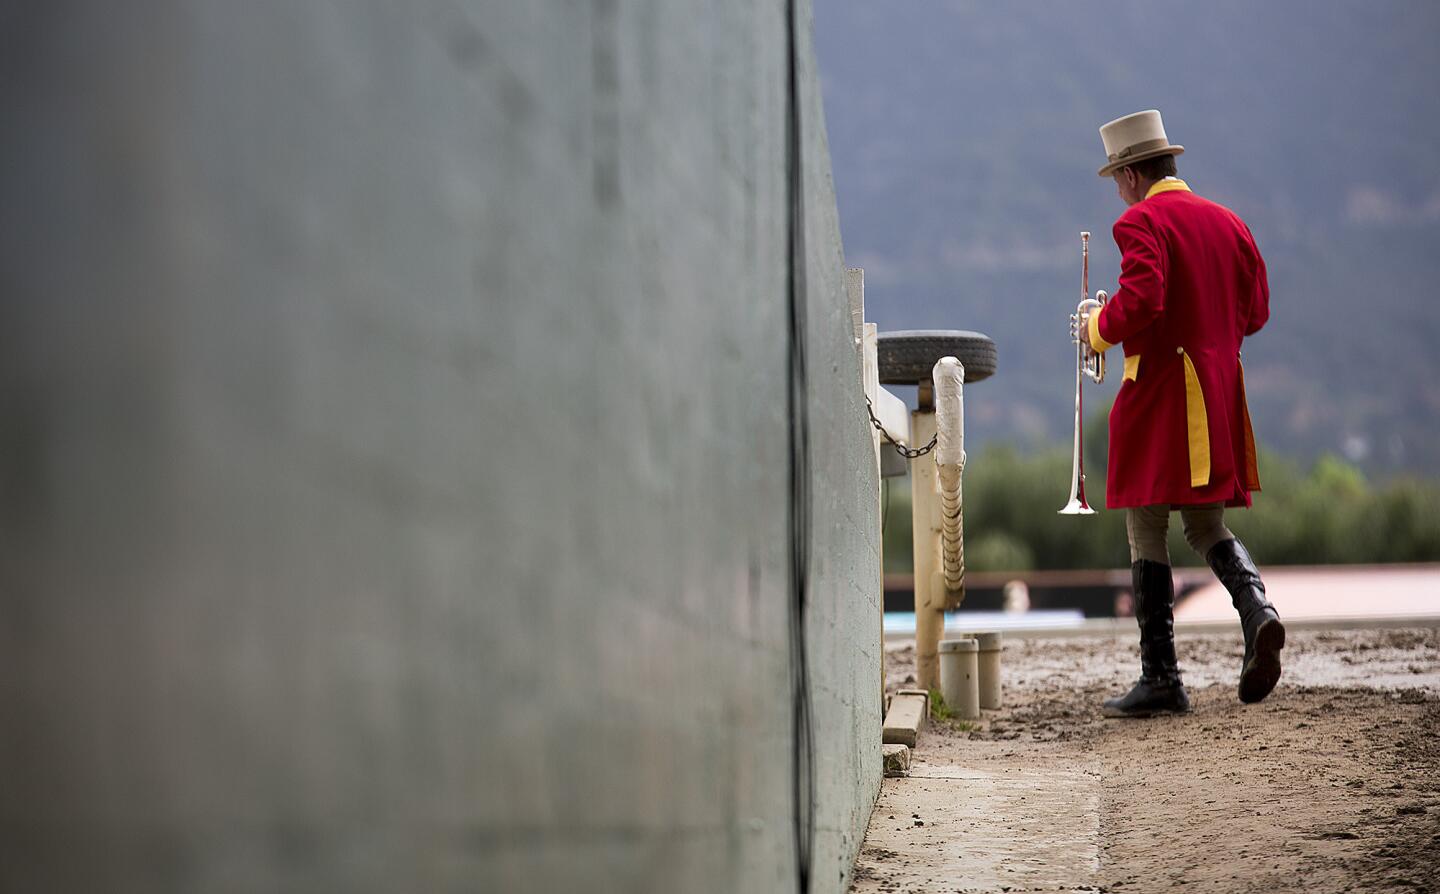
<point x="907" y="357"/>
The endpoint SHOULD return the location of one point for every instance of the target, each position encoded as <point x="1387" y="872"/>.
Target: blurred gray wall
<point x="393" y="451"/>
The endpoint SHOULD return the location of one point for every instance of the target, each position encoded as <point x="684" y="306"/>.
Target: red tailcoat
<point x="1192" y="286"/>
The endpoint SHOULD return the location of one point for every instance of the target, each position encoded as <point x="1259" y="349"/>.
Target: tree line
<point x="1320" y="513"/>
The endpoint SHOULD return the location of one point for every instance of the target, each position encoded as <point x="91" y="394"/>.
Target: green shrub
<point x="1324" y="514"/>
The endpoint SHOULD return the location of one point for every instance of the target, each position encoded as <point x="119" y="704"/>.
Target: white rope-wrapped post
<point x="949" y="376"/>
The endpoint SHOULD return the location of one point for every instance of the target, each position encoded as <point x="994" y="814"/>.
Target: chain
<point x="907" y="452"/>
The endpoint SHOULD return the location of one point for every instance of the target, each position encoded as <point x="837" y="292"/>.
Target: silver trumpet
<point x="1088" y="362"/>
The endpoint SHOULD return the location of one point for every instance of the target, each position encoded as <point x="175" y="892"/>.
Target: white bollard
<point x="990" y="646"/>
<point x="960" y="677"/>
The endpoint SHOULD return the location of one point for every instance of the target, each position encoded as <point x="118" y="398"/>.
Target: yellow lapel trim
<point x="1132" y="368"/>
<point x="1167" y="186"/>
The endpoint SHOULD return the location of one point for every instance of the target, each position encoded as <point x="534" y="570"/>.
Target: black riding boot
<point x="1159" y="690"/>
<point x="1264" y="634"/>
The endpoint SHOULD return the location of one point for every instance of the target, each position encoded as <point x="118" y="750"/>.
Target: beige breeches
<point x="1147" y="527"/>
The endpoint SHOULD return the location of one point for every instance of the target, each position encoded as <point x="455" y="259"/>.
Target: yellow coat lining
<point x="1199" y="426"/>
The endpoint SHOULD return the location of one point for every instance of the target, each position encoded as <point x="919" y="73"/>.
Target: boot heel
<point x="1263" y="670"/>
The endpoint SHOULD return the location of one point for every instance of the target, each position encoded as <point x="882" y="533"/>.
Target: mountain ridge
<point x="964" y="143"/>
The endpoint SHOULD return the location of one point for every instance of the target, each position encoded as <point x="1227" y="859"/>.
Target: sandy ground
<point x="1331" y="784"/>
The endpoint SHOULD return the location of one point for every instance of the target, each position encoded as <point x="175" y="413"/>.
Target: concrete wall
<point x="393" y="458"/>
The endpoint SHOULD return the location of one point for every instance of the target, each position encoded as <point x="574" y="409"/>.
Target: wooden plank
<point x="906" y="717"/>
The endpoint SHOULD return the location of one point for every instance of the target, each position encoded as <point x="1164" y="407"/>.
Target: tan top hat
<point x="1135" y="138"/>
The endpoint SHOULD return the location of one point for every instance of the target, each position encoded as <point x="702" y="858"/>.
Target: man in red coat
<point x="1192" y="286"/>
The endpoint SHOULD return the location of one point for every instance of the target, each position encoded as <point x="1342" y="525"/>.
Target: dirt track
<point x="1331" y="784"/>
